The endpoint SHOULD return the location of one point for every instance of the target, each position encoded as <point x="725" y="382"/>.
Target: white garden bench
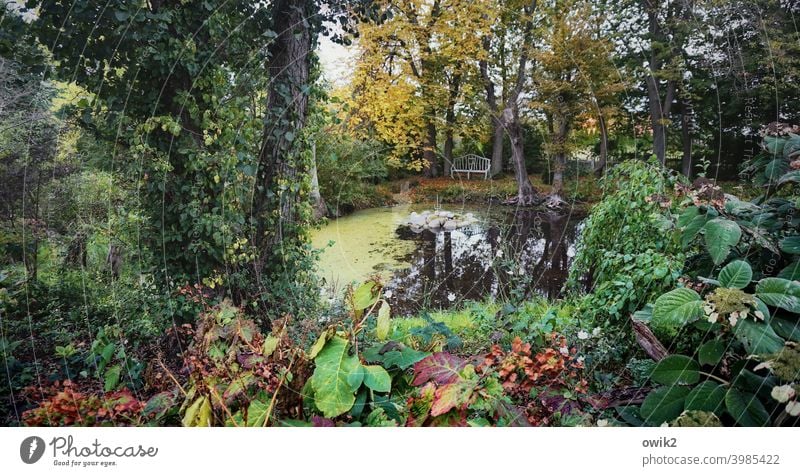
<point x="471" y="163"/>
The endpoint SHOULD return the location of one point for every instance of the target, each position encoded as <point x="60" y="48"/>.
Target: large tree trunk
<point x="429" y="150"/>
<point x="497" y="147"/>
<point x="526" y="194"/>
<point x="659" y="109"/>
<point x="454" y="86"/>
<point x="560" y="132"/>
<point x="601" y="164"/>
<point x="288" y="70"/>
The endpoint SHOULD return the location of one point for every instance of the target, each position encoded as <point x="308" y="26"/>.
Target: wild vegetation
<point x="164" y="164"/>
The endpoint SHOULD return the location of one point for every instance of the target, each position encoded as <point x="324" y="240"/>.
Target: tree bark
<point x="496" y="166"/>
<point x="450" y="119"/>
<point x="686" y="137"/>
<point x="497" y="124"/>
<point x="659" y="111"/>
<point x="429" y="149"/>
<point x="601" y="164"/>
<point x="288" y="69"/>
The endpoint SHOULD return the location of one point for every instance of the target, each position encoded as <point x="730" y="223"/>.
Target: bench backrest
<point x="472" y="162"/>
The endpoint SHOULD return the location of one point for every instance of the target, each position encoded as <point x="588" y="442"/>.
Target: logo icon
<point x="31" y="449"/>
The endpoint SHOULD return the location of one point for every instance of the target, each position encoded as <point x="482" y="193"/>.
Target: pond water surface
<point x="437" y="270"/>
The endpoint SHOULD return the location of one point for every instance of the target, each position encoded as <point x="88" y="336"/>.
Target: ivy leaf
<point x="711" y="352"/>
<point x="441" y="368"/>
<point x="757" y="337"/>
<point x="780" y="292"/>
<point x="736" y="274"/>
<point x="335" y="377"/>
<point x="791" y="244"/>
<point x="745" y="408"/>
<point x="676" y="370"/>
<point x="377" y="378"/>
<point x="383" y="325"/>
<point x="676" y="308"/>
<point x="707" y="397"/>
<point x="663" y="404"/>
<point x="720" y="236"/>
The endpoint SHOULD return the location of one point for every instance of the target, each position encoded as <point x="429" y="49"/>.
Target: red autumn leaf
<point x="441" y="368"/>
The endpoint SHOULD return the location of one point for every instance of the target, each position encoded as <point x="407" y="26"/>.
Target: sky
<point x="337" y="61"/>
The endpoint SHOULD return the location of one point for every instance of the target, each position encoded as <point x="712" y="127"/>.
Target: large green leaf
<point x="791" y="245"/>
<point x="720" y="236"/>
<point x="780" y="292"/>
<point x="676" y="308"/>
<point x="775" y="169"/>
<point x="687" y="216"/>
<point x="377" y="378"/>
<point x="383" y="325"/>
<point x="789" y="329"/>
<point x="707" y="397"/>
<point x="757" y="337"/>
<point x="793" y="177"/>
<point x="366" y="295"/>
<point x="711" y="352"/>
<point x="336" y="378"/>
<point x="676" y="370"/>
<point x="736" y="274"/>
<point x="257" y="412"/>
<point x="663" y="404"/>
<point x="791" y="272"/>
<point x="745" y="408"/>
<point x="692" y="229"/>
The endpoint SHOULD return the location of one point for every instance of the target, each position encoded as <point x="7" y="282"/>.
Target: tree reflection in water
<point x="527" y="247"/>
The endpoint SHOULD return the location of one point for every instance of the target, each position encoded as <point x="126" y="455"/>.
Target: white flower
<point x="387" y="294"/>
<point x="782" y="393"/>
<point x="733" y="318"/>
<point x="521" y="272"/>
<point x="596" y="331"/>
<point x="499" y="253"/>
<point x="564" y="350"/>
<point x="713" y="317"/>
<point x="580" y="359"/>
<point x="602" y="422"/>
<point x="451" y="297"/>
<point x="583" y="335"/>
<point x="793" y="408"/>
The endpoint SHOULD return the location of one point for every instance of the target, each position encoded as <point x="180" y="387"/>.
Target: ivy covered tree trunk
<point x="686" y="138"/>
<point x="560" y="134"/>
<point x="282" y="172"/>
<point x="429" y="149"/>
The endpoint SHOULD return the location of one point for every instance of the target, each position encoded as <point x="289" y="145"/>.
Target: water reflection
<point x="527" y="248"/>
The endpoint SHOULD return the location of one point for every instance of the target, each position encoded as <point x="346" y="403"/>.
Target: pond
<point x="423" y="269"/>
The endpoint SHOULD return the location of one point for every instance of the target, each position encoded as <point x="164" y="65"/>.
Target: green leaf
<point x="757" y="337"/>
<point x="720" y="236"/>
<point x="199" y="413"/>
<point x="121" y="15"/>
<point x="676" y="370"/>
<point x="377" y="378"/>
<point x="692" y="229"/>
<point x="112" y="377"/>
<point x="736" y="274"/>
<point x="793" y="177"/>
<point x="711" y="352"/>
<point x="383" y="325"/>
<point x="791" y="245"/>
<point x="786" y="328"/>
<point x="791" y="272"/>
<point x="707" y="397"/>
<point x="289" y="136"/>
<point x="775" y="169"/>
<point x="365" y="295"/>
<point x="270" y="344"/>
<point x="318" y="345"/>
<point x="334" y="378"/>
<point x="687" y="216"/>
<point x="676" y="308"/>
<point x="780" y="292"/>
<point x="745" y="408"/>
<point x="663" y="404"/>
<point x="257" y="412"/>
